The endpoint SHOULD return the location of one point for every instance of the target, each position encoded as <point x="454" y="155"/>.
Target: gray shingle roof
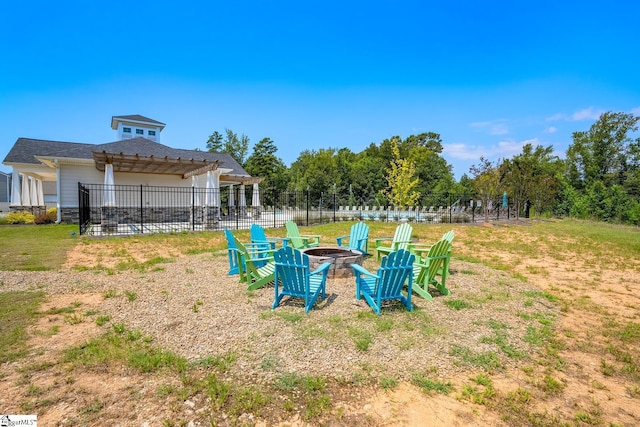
<point x="25" y="150"/>
<point x="138" y="118"/>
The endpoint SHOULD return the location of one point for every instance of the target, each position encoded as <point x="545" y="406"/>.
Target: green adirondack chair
<point x="358" y="239"/>
<point x="251" y="273"/>
<point x="300" y="241"/>
<point x="297" y="279"/>
<point x="419" y="249"/>
<point x="388" y="282"/>
<point x="426" y="270"/>
<point x="400" y="240"/>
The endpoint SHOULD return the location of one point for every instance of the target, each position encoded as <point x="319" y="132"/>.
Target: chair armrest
<point x="321" y="269"/>
<point x="379" y="240"/>
<point x="340" y="239"/>
<point x="419" y="248"/>
<point x="311" y="236"/>
<point x="362" y="270"/>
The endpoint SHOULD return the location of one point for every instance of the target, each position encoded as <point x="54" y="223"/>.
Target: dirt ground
<point x="583" y="282"/>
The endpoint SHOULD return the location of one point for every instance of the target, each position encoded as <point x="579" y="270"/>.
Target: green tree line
<point x="599" y="178"/>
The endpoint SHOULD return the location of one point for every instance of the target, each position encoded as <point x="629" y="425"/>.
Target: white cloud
<point x="551" y="129"/>
<point x="501" y="150"/>
<point x="494" y="127"/>
<point x="635" y="111"/>
<point x="589" y="113"/>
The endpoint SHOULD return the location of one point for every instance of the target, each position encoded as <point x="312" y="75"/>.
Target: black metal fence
<point x="138" y="209"/>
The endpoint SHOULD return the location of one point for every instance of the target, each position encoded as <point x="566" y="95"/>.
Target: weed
<point x="110" y="294"/>
<point x="457" y="304"/>
<point x="429" y="385"/>
<point x="131" y="296"/>
<point x="101" y="320"/>
<point x="388" y="383"/>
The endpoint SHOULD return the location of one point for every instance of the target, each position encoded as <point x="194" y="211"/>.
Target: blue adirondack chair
<point x="387" y="283"/>
<point x="358" y="239"/>
<point x="258" y="236"/>
<point x="293" y="274"/>
<point x="232" y="253"/>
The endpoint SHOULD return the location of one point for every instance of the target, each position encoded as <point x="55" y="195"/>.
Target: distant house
<point x="48" y="173"/>
<point x="5" y="191"/>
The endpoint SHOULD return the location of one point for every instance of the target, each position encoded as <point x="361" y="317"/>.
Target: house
<point x="5" y="192"/>
<point x="52" y="173"/>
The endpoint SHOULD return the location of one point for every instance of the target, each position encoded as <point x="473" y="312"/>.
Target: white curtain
<point x="16" y="193"/>
<point x="232" y="200"/>
<point x="194" y="184"/>
<point x="242" y="202"/>
<point x="39" y="192"/>
<point x="209" y="198"/>
<point x="216" y="189"/>
<point x="26" y="198"/>
<point x="255" y="197"/>
<point x="109" y="198"/>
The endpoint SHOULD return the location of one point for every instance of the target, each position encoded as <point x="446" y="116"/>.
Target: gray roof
<point x="137" y="118"/>
<point x="25" y="150"/>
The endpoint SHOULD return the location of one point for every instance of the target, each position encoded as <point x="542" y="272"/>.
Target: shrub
<point x="48" y="217"/>
<point x="20" y="217"/>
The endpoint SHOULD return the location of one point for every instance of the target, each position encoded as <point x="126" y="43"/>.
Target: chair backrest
<point x="448" y="236"/>
<point x="259" y="236"/>
<point x="294" y="235"/>
<point x="292" y="270"/>
<point x="358" y="236"/>
<point x="257" y="233"/>
<point x="231" y="244"/>
<point x="396" y="269"/>
<point x="436" y="258"/>
<point x="402" y="236"/>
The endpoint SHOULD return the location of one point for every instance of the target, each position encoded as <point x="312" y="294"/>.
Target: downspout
<point x="58" y="186"/>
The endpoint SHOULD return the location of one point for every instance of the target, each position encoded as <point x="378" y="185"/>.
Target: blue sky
<point x="488" y="76"/>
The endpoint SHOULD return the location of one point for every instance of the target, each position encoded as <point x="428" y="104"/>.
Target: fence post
<point x="307" y="207"/>
<point x="450" y="210"/>
<point x="141" y="213"/>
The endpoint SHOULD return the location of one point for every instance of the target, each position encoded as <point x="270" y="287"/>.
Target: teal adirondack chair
<point x="358" y="238"/>
<point x="400" y="240"/>
<point x="426" y="270"/>
<point x="254" y="275"/>
<point x="300" y="241"/>
<point x="387" y="283"/>
<point x="258" y="236"/>
<point x="232" y="253"/>
<point x="293" y="277"/>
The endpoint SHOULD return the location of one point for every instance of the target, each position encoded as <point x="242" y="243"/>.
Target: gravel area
<point x="192" y="307"/>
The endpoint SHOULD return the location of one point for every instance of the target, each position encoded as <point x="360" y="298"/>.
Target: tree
<point x="214" y="143"/>
<point x="400" y="176"/>
<point x="236" y="147"/>
<point x="264" y="163"/>
<point x="486" y="183"/>
<point x="599" y="153"/>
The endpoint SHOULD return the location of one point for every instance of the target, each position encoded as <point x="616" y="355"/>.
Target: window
<point x="152" y="133"/>
<point x="139" y="132"/>
<point x="126" y="130"/>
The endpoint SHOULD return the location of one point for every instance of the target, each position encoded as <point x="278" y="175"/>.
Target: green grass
<point x="35" y="247"/>
<point x="17" y="311"/>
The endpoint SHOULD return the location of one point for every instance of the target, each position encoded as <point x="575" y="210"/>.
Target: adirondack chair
<point x="232" y="253"/>
<point x="251" y="273"/>
<point x="387" y="283"/>
<point x="258" y="236"/>
<point x="300" y="241"/>
<point x="400" y="240"/>
<point x="358" y="239"/>
<point x="426" y="270"/>
<point x="419" y="249"/>
<point x="297" y="279"/>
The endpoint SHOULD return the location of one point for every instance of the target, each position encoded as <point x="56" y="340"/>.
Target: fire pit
<point x="340" y="259"/>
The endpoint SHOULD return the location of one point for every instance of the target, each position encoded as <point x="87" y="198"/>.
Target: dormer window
<point x="126" y="130"/>
<point x="152" y="133"/>
<point x="139" y="131"/>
